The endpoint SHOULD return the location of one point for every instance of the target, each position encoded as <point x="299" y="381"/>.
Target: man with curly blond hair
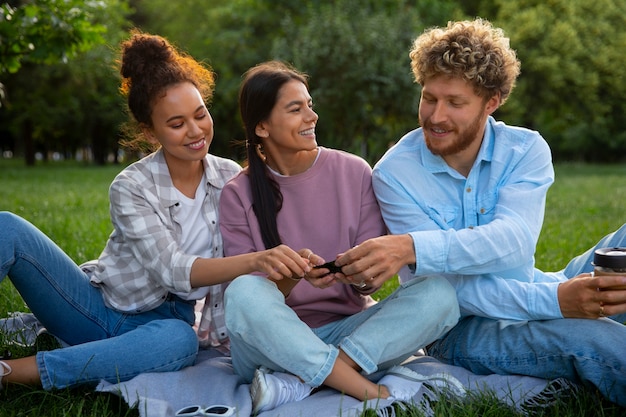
<point x="463" y="196"/>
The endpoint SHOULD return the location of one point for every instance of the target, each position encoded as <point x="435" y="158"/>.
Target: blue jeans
<point x="264" y="331"/>
<point x="585" y="351"/>
<point x="105" y="343"/>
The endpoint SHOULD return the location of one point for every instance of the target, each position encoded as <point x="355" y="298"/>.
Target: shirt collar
<point x="163" y="180"/>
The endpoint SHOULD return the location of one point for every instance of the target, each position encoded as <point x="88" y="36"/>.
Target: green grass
<point x="69" y="202"/>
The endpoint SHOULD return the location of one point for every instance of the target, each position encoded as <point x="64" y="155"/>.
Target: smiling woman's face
<point x="181" y="123"/>
<point x="291" y="125"/>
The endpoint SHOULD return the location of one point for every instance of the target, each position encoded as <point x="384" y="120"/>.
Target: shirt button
<point x="482" y="211"/>
<point x="468" y="189"/>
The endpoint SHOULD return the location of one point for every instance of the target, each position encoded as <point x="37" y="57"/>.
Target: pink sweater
<point x="328" y="209"/>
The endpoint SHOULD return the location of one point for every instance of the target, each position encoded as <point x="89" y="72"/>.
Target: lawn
<point x="69" y="202"/>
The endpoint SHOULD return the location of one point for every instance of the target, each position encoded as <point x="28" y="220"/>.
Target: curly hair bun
<point x="150" y="65"/>
<point x="142" y="53"/>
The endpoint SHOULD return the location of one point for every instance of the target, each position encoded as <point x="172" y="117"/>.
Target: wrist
<point x="409" y="245"/>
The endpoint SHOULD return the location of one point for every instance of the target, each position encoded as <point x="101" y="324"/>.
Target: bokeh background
<point x="59" y="96"/>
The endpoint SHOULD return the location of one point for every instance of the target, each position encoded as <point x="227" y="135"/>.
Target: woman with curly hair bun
<point x="132" y="310"/>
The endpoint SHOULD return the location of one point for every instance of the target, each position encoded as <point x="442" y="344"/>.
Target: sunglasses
<point x="212" y="411"/>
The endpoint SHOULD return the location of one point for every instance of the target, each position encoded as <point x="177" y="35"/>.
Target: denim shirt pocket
<point x="444" y="216"/>
<point x="485" y="210"/>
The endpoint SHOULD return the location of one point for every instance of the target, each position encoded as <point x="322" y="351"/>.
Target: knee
<point x="237" y="291"/>
<point x="621" y="236"/>
<point x="15" y="231"/>
<point x="441" y="298"/>
<point x="446" y="296"/>
<point x="246" y="291"/>
<point x="180" y="334"/>
<point x="243" y="294"/>
<point x="247" y="300"/>
<point x="10" y="223"/>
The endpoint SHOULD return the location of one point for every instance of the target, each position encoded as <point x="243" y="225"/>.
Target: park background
<point x="61" y="112"/>
<point x="60" y="97"/>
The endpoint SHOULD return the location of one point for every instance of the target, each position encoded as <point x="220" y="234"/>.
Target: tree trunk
<point x="29" y="143"/>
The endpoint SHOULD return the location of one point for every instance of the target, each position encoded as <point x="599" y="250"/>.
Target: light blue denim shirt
<point x="480" y="232"/>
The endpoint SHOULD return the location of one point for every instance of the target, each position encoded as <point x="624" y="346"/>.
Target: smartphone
<point x="330" y="266"/>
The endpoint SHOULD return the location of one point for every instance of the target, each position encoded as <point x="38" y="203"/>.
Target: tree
<point x="572" y="85"/>
<point x="46" y="31"/>
<point x="50" y="100"/>
<point x="229" y="35"/>
<point x="356" y="53"/>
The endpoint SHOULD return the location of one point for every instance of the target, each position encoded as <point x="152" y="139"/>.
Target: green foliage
<point x="356" y="53"/>
<point x="357" y="58"/>
<point x="583" y="205"/>
<point x="572" y="86"/>
<point x="65" y="106"/>
<point x="47" y="31"/>
<point x="68" y="202"/>
<point x="231" y="36"/>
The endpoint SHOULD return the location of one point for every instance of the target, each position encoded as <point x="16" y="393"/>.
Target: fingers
<point x="311" y="257"/>
<point x="609" y="282"/>
<point x="283" y="262"/>
<point x="378" y="259"/>
<point x="324" y="281"/>
<point x="367" y="265"/>
<point x="611" y="293"/>
<point x="591" y="297"/>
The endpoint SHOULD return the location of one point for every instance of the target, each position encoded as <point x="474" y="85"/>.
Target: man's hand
<point x="376" y="260"/>
<point x="590" y="297"/>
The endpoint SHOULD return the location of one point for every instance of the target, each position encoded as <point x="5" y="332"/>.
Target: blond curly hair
<point x="472" y="50"/>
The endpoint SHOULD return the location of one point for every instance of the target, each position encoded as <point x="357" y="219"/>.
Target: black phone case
<point x="330" y="266"/>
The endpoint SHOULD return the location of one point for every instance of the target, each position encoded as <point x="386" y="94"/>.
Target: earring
<point x="260" y="153"/>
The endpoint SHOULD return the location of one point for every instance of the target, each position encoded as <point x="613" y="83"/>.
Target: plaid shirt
<point x="142" y="261"/>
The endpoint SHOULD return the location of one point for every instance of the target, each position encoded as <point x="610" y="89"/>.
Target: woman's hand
<point x="319" y="277"/>
<point x="588" y="297"/>
<point x="281" y="262"/>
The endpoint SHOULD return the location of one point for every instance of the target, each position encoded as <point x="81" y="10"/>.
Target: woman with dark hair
<point x="291" y="335"/>
<point x="132" y="310"/>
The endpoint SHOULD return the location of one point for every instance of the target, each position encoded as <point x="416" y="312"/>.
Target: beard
<point x="463" y="140"/>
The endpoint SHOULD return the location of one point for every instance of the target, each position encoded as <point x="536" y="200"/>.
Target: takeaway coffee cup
<point x="610" y="261"/>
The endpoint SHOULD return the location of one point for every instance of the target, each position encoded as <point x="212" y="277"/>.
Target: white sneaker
<point x="403" y="383"/>
<point x="6" y="370"/>
<point x="269" y="390"/>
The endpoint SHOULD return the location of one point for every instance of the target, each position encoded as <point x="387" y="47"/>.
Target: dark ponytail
<point x="257" y="96"/>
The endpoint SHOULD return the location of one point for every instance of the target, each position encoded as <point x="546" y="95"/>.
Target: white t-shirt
<point x="196" y="238"/>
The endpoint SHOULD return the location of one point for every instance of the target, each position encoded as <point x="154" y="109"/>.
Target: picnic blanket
<point x="211" y="381"/>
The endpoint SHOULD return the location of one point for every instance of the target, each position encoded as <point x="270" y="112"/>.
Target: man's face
<point x="453" y="116"/>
